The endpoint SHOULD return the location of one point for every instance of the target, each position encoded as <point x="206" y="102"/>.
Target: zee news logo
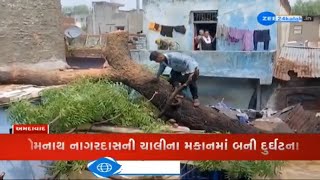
<point x="269" y="18"/>
<point x="307" y="18"/>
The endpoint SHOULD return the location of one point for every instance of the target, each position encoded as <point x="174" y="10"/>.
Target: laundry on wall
<point x="248" y="38"/>
<point x="154" y="27"/>
<point x="167" y="31"/>
<point x="261" y="36"/>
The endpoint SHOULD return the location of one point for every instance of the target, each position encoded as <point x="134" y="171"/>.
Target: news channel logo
<point x="268" y="18"/>
<point x="104" y="167"/>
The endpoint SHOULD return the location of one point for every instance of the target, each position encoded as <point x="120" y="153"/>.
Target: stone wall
<point x="31" y="33"/>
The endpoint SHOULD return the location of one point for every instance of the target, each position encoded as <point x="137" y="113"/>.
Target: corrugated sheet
<point x="300" y="120"/>
<point x="303" y="61"/>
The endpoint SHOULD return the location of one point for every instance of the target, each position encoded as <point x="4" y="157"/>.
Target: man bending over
<point x="182" y="67"/>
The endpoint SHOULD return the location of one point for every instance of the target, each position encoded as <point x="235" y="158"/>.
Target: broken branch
<point x="173" y="96"/>
<point x="153" y="96"/>
<point x="108" y="120"/>
<point x="54" y="120"/>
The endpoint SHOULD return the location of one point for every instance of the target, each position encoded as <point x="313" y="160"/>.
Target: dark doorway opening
<point x="85" y="63"/>
<point x="120" y="28"/>
<point x="212" y="28"/>
<point x="207" y="21"/>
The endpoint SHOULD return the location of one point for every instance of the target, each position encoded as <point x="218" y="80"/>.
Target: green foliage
<point x="76" y="10"/>
<point x="311" y="8"/>
<point x="237" y="169"/>
<point x="65" y="167"/>
<point x="88" y="101"/>
<point x="84" y="102"/>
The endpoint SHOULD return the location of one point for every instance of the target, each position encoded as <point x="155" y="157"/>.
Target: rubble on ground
<point x="300" y="120"/>
<point x="272" y="125"/>
<point x="13" y="93"/>
<point x="293" y="119"/>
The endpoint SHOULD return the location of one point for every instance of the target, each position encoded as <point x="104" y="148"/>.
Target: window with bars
<point x="205" y="16"/>
<point x="297" y="29"/>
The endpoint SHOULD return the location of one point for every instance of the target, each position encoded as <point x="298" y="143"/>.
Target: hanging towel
<point x="154" y="27"/>
<point x="247" y="41"/>
<point x="236" y="33"/>
<point x="225" y="31"/>
<point x="232" y="35"/>
<point x="166" y="31"/>
<point x="219" y="32"/>
<point x="180" y="29"/>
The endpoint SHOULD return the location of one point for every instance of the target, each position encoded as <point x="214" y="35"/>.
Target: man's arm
<point x="161" y="70"/>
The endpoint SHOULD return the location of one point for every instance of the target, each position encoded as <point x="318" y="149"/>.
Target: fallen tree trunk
<point x="124" y="70"/>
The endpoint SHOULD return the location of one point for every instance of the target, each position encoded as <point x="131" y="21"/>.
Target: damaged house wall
<point x="31" y="34"/>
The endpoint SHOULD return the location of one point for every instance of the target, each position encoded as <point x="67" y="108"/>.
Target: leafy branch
<point x="89" y="102"/>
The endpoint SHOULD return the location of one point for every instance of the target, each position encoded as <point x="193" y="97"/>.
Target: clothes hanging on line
<point x="261" y="36"/>
<point x="180" y="29"/>
<point x="219" y="31"/>
<point x="246" y="36"/>
<point x="234" y="35"/>
<point x="247" y="41"/>
<point x="154" y="27"/>
<point x="222" y="31"/>
<point x="166" y="31"/>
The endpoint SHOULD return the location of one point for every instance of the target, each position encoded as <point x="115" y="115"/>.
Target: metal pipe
<point x="138" y="5"/>
<point x="93" y="19"/>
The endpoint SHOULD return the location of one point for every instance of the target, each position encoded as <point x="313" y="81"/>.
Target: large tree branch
<point x="125" y="70"/>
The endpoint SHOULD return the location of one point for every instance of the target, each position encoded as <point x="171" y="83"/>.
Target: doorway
<point x="212" y="28"/>
<point x="207" y="21"/>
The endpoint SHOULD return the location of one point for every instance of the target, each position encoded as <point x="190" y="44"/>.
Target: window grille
<point x="208" y="16"/>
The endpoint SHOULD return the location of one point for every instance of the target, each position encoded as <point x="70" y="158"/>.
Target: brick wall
<point x="31" y="33"/>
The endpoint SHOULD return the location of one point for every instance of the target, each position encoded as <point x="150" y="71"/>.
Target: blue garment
<point x="178" y="62"/>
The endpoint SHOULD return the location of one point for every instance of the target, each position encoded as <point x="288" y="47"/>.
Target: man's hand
<point x="155" y="80"/>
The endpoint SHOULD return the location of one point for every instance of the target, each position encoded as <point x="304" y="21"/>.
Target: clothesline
<point x="249" y="38"/>
<point x="229" y="27"/>
<point x="241" y="8"/>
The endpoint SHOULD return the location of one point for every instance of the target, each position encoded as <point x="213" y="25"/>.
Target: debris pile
<point x="293" y="119"/>
<point x="13" y="93"/>
<point x="243" y="116"/>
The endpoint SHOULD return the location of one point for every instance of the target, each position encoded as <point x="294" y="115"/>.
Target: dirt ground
<point x="300" y="170"/>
